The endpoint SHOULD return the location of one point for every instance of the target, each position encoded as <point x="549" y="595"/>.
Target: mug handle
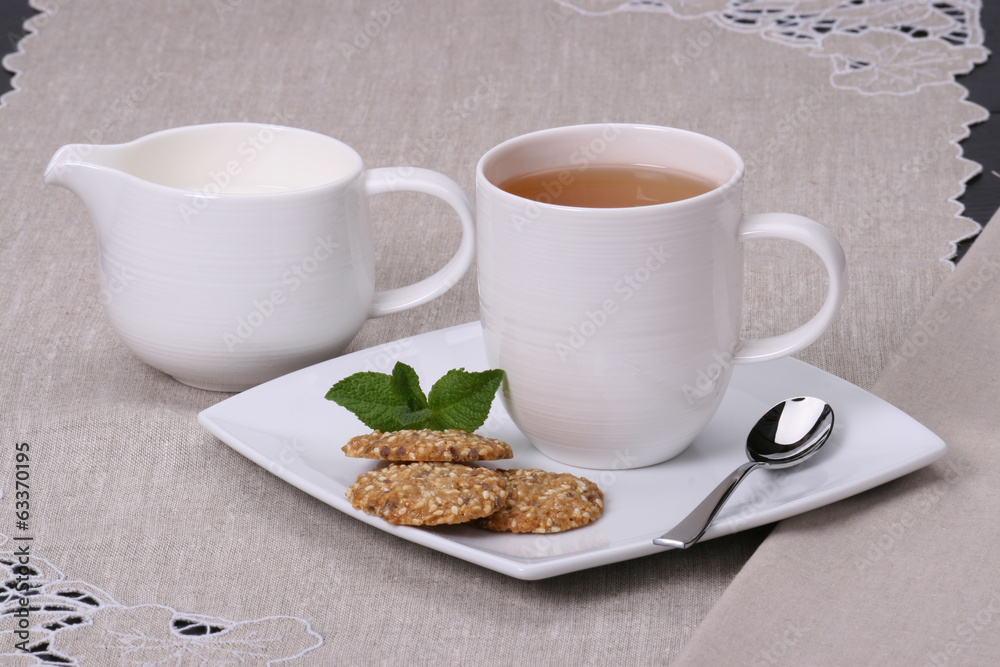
<point x="821" y="241"/>
<point x="415" y="179"/>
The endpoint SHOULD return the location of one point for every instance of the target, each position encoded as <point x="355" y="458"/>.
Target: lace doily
<point x="874" y="46"/>
<point x="69" y="619"/>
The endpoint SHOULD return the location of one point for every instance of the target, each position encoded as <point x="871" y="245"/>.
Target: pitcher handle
<point x="817" y="238"/>
<point x="414" y="179"/>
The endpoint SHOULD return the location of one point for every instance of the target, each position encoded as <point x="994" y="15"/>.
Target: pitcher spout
<point x="86" y="170"/>
<point x="71" y="160"/>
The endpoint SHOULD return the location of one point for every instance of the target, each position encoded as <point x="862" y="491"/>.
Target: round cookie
<point x="428" y="494"/>
<point x="427" y="445"/>
<point x="545" y="502"/>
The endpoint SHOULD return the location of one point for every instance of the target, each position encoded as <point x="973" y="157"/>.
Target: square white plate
<point x="288" y="427"/>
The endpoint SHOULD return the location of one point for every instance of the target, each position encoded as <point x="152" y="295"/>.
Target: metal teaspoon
<point x="786" y="435"/>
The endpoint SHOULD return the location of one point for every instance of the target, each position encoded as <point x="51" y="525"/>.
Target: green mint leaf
<point x="384" y="402"/>
<point x="407" y="384"/>
<point x="414" y="419"/>
<point x="462" y="400"/>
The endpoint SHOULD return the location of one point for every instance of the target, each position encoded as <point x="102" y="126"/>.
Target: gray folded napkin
<point x="908" y="573"/>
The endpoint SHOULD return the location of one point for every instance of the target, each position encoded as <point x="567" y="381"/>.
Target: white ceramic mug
<point x="233" y="253"/>
<point x="618" y="327"/>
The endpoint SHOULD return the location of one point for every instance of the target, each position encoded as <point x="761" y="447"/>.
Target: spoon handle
<point x="690" y="530"/>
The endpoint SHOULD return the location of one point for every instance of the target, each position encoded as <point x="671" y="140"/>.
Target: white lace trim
<point x="874" y="47"/>
<point x="70" y="618"/>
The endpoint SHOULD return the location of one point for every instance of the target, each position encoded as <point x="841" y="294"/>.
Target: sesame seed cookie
<point x="428" y="494"/>
<point x="545" y="502"/>
<point x="427" y="445"/>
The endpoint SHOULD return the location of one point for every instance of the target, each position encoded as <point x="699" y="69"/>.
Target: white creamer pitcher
<point x="233" y="253"/>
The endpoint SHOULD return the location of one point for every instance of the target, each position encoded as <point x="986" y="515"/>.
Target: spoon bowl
<point x="787" y="434"/>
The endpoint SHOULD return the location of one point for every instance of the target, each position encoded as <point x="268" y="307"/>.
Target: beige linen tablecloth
<point x="151" y="540"/>
<point x="908" y="573"/>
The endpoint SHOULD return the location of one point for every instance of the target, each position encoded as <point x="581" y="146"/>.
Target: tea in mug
<point x="607" y="186"/>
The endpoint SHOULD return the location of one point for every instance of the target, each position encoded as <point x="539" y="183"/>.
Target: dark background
<point x="981" y="199"/>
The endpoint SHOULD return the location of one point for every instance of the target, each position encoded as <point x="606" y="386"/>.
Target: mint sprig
<point x="383" y="402"/>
